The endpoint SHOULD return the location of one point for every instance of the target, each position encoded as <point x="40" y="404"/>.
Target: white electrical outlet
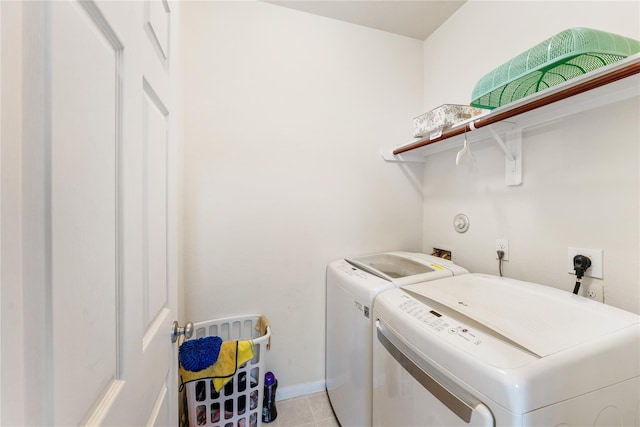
<point x="594" y="291"/>
<point x="595" y="255"/>
<point x="502" y="245"/>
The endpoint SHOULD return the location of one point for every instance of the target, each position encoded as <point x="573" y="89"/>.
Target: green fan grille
<point x="562" y="57"/>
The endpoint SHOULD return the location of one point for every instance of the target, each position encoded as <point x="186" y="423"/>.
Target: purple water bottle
<point x="269" y="412"/>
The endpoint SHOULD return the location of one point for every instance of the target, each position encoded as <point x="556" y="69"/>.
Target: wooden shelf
<point x="605" y="86"/>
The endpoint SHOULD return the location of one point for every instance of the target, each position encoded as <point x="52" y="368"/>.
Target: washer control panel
<point x="350" y="270"/>
<point x="440" y="328"/>
<point x="438" y="322"/>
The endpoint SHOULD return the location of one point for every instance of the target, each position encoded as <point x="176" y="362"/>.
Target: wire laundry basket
<point x="239" y="402"/>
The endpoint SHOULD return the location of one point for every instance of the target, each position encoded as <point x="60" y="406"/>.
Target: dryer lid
<point x="539" y="318"/>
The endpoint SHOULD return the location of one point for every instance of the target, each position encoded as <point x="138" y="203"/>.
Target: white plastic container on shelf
<point x="239" y="402"/>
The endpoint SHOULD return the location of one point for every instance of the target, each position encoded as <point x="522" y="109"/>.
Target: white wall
<point x="283" y="116"/>
<point x="580" y="176"/>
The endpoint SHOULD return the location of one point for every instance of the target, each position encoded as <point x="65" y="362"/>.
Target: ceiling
<point x="413" y="18"/>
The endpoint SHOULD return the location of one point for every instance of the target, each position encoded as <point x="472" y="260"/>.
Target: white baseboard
<point x="300" y="390"/>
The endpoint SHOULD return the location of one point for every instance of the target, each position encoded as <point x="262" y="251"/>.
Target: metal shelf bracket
<point x="512" y="154"/>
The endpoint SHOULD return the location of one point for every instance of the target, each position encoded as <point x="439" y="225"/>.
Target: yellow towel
<point x="232" y="354"/>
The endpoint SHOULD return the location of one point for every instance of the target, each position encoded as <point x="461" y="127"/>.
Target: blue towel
<point x="196" y="355"/>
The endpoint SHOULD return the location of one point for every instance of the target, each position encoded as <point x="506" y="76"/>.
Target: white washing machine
<point x="352" y="285"/>
<point x="479" y="350"/>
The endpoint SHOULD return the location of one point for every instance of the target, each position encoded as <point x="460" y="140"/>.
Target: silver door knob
<point x="177" y="330"/>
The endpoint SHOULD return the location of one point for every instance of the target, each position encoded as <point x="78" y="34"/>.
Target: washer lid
<point x="390" y="266"/>
<point x="541" y="319"/>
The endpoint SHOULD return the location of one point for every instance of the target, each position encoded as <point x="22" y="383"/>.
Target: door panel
<point x="161" y="287"/>
<point x="85" y="140"/>
<point x="157" y="24"/>
<point x="98" y="215"/>
<point x="160" y="413"/>
<point x="155" y="217"/>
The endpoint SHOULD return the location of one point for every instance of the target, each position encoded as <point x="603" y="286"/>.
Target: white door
<point x="95" y="188"/>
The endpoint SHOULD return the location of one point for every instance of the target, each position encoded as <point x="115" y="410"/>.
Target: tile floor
<point x="312" y="410"/>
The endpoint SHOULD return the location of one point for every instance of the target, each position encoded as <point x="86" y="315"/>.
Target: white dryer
<point x="352" y="285"/>
<point x="479" y="350"/>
